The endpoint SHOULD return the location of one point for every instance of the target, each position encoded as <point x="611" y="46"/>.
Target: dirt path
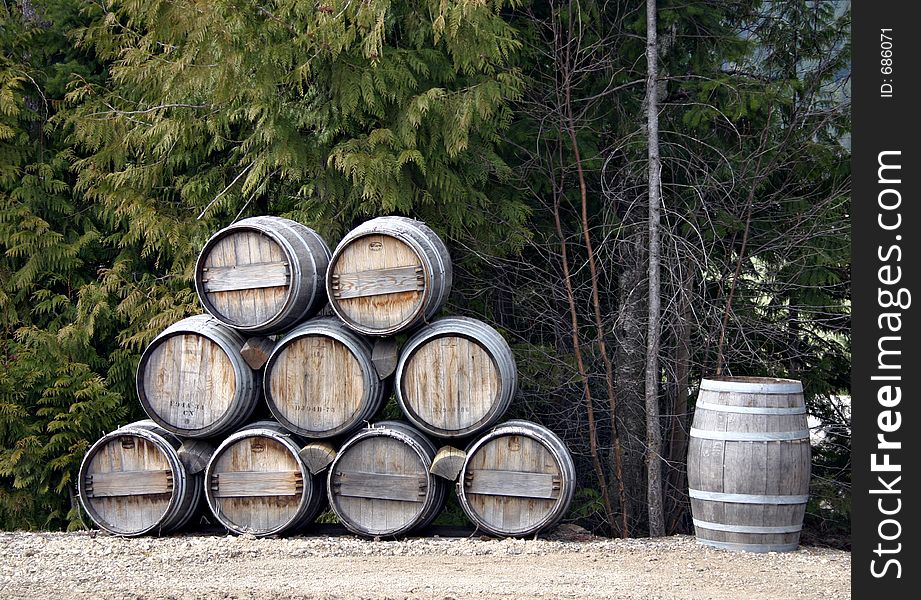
<point x="83" y="565"/>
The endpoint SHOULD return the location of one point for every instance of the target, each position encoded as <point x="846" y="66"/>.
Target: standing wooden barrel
<point x="320" y="381"/>
<point x="263" y="274"/>
<point x="256" y="483"/>
<point x="379" y="483"/>
<point x="131" y="482"/>
<point x="388" y="275"/>
<point x="517" y="480"/>
<point x="193" y="381"/>
<point x="749" y="463"/>
<point x="455" y="377"/>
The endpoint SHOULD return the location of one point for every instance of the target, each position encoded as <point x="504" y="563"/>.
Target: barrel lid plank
<point x="129" y="483"/>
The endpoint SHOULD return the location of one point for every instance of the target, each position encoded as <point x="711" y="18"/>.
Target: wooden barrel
<point x="455" y="377"/>
<point x="749" y="463"/>
<point x="380" y="485"/>
<point x="256" y="482"/>
<point x="388" y="275"/>
<point x="263" y="274"/>
<point x="517" y="480"/>
<point x="320" y="381"/>
<point x="193" y="381"/>
<point x="131" y="482"/>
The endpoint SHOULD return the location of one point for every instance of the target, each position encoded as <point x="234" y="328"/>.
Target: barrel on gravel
<point x="455" y="377"/>
<point x="256" y="483"/>
<point x="388" y="275"/>
<point x="131" y="482"/>
<point x="193" y="381"/>
<point x="749" y="463"/>
<point x="263" y="274"/>
<point x="320" y="381"/>
<point x="380" y="485"/>
<point x="518" y="479"/>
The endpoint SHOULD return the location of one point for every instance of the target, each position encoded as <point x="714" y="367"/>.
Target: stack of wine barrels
<point x="262" y="411"/>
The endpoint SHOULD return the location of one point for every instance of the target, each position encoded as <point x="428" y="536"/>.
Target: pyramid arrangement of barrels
<point x="264" y="410"/>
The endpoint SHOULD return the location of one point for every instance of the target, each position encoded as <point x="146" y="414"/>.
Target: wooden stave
<point x="558" y="450"/>
<point x="423" y="447"/>
<point x="311" y="504"/>
<point x="308" y="256"/>
<point x="768" y="521"/>
<point x="187" y="487"/>
<point x="247" y="385"/>
<point x="433" y="254"/>
<point x="498" y="349"/>
<point x="375" y="388"/>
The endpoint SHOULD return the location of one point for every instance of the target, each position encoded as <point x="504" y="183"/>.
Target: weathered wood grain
<point x="245" y="276"/>
<point x="456" y="377"/>
<point x="380" y="483"/>
<point x="193" y="381"/>
<point x="262" y="274"/>
<point x="384" y="356"/>
<point x="256" y="351"/>
<point x="244" y="484"/>
<point x="380" y="486"/>
<point x="448" y="462"/>
<point x="320" y="381"/>
<point x="516" y="484"/>
<point x="378" y="282"/>
<point x="195" y="455"/>
<point x="129" y="483"/>
<point x="317" y="456"/>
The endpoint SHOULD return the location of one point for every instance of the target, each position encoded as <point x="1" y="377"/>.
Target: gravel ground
<point x="90" y="565"/>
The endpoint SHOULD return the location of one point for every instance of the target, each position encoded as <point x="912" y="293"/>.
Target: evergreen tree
<point x="62" y="377"/>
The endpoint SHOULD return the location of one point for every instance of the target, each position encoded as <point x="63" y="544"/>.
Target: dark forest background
<point x="130" y="131"/>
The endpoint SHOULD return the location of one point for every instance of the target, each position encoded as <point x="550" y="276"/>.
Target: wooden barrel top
<point x="246" y="277"/>
<point x="379" y="484"/>
<point x="378" y="281"/>
<point x="451" y="382"/>
<point x="316" y="383"/>
<point x="128" y="484"/>
<point x="513" y="483"/>
<point x="188" y="381"/>
<point x="256" y="484"/>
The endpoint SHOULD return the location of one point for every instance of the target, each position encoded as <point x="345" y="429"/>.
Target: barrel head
<point x="450" y="384"/>
<point x="127" y="484"/>
<point x="245" y="278"/>
<point x="377" y="282"/>
<point x="255" y="485"/>
<point x="187" y="381"/>
<point x="378" y="486"/>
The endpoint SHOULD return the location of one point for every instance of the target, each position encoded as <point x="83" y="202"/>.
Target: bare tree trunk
<point x="596" y="305"/>
<point x="580" y="363"/>
<point x="678" y="443"/>
<point x="653" y="428"/>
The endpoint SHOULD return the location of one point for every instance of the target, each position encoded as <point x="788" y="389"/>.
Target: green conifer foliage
<point x="59" y="370"/>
